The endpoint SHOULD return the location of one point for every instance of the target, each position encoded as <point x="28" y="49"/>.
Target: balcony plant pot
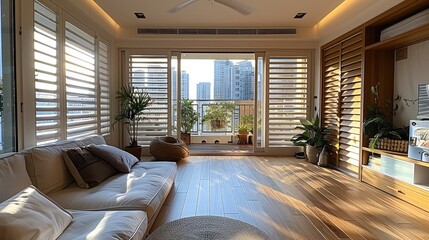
<point x="311" y="154"/>
<point x="135" y="151"/>
<point x="242" y="138"/>
<point x="188" y="117"/>
<point x="186" y="138"/>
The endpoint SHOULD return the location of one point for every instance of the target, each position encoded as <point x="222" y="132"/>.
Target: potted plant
<point x="313" y="138"/>
<point x="377" y="125"/>
<point x="246" y="123"/>
<point x="132" y="103"/>
<point x="188" y="119"/>
<point x="218" y="114"/>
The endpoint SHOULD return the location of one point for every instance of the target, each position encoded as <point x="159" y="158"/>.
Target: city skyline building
<point x="233" y="81"/>
<point x="242" y="84"/>
<point x="203" y="90"/>
<point x="222" y="79"/>
<point x="184" y="87"/>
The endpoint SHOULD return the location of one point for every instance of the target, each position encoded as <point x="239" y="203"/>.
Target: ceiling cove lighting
<point x="139" y="15"/>
<point x="299" y="15"/>
<point x="106" y="16"/>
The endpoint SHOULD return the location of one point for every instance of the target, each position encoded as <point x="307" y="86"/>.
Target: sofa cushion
<point x="30" y="215"/>
<point x="87" y="169"/>
<point x="13" y="175"/>
<point x="106" y="225"/>
<point x="119" y="159"/>
<point x="85" y="141"/>
<point x="46" y="167"/>
<point x="144" y="188"/>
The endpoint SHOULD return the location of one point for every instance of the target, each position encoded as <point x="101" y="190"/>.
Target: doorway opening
<point x="219" y="89"/>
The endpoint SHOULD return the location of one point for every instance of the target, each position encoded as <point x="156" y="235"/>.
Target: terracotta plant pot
<point x="135" y="151"/>
<point x="186" y="137"/>
<point x="311" y="154"/>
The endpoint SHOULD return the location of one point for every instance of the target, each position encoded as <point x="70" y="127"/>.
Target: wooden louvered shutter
<point x="330" y="106"/>
<point x="341" y="99"/>
<point x="351" y="85"/>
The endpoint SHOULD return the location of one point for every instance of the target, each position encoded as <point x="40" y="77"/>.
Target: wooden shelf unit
<point x="397" y="155"/>
<point x="372" y="62"/>
<point x="379" y="67"/>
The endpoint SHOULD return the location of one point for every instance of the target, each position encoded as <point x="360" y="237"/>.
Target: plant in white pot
<point x="132" y="102"/>
<point x="313" y="138"/>
<point x="188" y="117"/>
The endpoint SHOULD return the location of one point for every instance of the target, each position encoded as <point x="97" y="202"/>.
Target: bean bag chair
<point x="168" y="149"/>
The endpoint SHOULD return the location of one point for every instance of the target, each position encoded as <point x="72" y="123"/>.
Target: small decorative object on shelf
<point x="394" y="145"/>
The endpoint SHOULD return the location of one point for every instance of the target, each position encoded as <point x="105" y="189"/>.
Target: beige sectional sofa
<point x="123" y="206"/>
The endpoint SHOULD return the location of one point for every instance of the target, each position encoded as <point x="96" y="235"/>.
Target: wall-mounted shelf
<point x="414" y="36"/>
<point x="397" y="155"/>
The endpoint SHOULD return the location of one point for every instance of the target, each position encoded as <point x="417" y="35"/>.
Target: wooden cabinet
<point x="398" y="175"/>
<point x="391" y="172"/>
<point x="375" y="63"/>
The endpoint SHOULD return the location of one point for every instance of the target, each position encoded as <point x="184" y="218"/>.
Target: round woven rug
<point x="207" y="228"/>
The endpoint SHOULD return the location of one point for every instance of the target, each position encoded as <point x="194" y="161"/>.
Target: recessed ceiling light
<point x="300" y="15"/>
<point x="140" y="15"/>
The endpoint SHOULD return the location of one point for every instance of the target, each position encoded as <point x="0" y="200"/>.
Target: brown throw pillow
<point x="87" y="169"/>
<point x="119" y="159"/>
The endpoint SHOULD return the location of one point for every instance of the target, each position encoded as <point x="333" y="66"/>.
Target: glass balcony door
<point x="220" y="90"/>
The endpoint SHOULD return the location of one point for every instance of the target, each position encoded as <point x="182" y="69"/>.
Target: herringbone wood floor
<point x="290" y="199"/>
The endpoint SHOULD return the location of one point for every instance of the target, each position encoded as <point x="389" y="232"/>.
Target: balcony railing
<point x="230" y="126"/>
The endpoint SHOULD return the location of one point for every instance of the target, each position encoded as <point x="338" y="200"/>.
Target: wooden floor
<point x="289" y="199"/>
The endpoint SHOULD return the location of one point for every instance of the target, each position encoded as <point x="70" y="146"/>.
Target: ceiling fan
<point x="237" y="6"/>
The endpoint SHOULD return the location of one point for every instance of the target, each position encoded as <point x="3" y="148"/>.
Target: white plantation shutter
<point x="287" y="97"/>
<point x="81" y="89"/>
<point x="71" y="79"/>
<point x="104" y="90"/>
<point x="47" y="82"/>
<point x="150" y="74"/>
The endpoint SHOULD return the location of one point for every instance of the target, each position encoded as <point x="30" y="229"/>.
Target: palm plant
<point x="132" y="104"/>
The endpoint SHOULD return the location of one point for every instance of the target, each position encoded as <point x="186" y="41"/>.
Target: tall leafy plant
<point x="132" y="102"/>
<point x="188" y="115"/>
<point x="313" y="134"/>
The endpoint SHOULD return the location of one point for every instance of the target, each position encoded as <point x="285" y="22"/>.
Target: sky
<point x="199" y="70"/>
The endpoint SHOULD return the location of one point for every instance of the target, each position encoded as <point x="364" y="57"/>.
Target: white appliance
<point x="419" y="140"/>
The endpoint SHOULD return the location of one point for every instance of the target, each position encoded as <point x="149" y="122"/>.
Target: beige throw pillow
<point x="31" y="215"/>
<point x="13" y="176"/>
<point x="87" y="169"/>
<point x="119" y="159"/>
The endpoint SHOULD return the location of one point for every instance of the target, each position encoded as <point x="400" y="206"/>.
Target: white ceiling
<point x="209" y="14"/>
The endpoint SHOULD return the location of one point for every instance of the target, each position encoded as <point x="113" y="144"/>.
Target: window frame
<point x="28" y="105"/>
